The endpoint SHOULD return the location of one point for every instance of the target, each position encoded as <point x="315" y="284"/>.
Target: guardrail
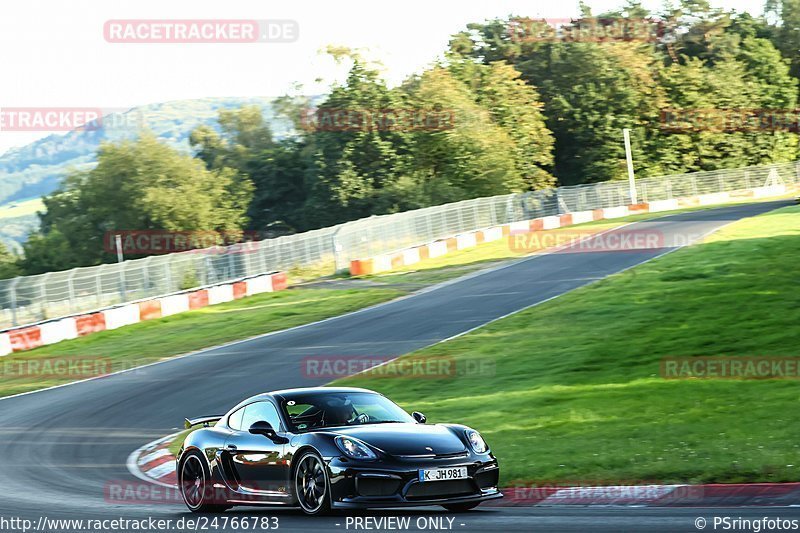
<point x="31" y="299"/>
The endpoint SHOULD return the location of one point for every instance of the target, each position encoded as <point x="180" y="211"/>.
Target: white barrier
<point x="662" y="205"/>
<point x="383" y="263"/>
<point x="436" y="249"/>
<point x="581" y="217"/>
<point x="615" y="212"/>
<point x="121" y="316"/>
<point x="523" y="226"/>
<point x="259" y="284"/>
<point x="5" y="344"/>
<point x="552" y="222"/>
<point x="493" y="234"/>
<point x="220" y="294"/>
<point x="411" y="256"/>
<point x="466" y="240"/>
<point x="59" y="330"/>
<point x="172" y="305"/>
<point x="713" y="198"/>
<point x="771" y="190"/>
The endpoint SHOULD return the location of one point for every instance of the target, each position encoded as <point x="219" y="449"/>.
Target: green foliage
<point x="592" y="90"/>
<point x="136" y="185"/>
<point x="577" y="378"/>
<point x="245" y="143"/>
<point x="525" y="114"/>
<point x="8" y="263"/>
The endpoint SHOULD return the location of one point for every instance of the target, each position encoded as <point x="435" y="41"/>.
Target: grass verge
<point x="150" y="341"/>
<point x="575" y="395"/>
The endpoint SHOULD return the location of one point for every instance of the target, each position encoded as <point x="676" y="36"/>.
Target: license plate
<point x="442" y="474"/>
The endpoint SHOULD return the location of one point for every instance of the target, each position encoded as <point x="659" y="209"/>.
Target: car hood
<point x="407" y="439"/>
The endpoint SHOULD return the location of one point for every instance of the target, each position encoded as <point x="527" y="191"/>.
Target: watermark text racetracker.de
<point x="738" y="523"/>
<point x="67" y="366"/>
<point x="730" y="120"/>
<point x="63" y="119"/>
<point x="595" y="240"/>
<point x="162" y="241"/>
<point x="192" y="31"/>
<point x="730" y="367"/>
<point x="436" y="367"/>
<point x="588" y="29"/>
<point x="383" y="119"/>
<point x="149" y="524"/>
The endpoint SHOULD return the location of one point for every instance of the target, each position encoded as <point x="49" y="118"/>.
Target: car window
<point x="258" y="411"/>
<point x="307" y="411"/>
<point x="235" y="420"/>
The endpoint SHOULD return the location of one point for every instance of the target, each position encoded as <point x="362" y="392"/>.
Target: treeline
<point x="514" y="112"/>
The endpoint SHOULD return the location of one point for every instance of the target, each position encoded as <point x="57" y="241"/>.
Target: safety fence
<point x="29" y="299"/>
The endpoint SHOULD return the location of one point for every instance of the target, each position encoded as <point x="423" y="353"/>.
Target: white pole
<point x="120" y="258"/>
<point x="118" y="239"/>
<point x="626" y="133"/>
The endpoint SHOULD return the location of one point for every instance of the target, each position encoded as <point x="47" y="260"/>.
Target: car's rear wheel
<point x="311" y="485"/>
<point x="196" y="487"/>
<point x="461" y="507"/>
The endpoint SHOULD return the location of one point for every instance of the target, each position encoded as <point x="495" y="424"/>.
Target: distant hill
<point x="37" y="169"/>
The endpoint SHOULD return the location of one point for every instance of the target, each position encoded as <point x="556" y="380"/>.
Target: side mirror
<point x="262" y="427"/>
<point x="419" y="417"/>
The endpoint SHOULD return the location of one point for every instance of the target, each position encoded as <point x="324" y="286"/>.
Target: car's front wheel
<point x="196" y="488"/>
<point x="311" y="485"/>
<point x="461" y="507"/>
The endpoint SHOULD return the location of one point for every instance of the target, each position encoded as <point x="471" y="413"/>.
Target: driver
<point x="339" y="411"/>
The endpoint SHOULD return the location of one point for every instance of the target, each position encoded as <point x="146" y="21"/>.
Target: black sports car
<point x="323" y="448"/>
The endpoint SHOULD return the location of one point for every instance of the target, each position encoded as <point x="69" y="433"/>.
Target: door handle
<point x="230" y="448"/>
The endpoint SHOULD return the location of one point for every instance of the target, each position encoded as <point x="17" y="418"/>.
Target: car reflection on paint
<point x="332" y="448"/>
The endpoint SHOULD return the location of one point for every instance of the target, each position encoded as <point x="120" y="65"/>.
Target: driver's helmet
<point x="338" y="410"/>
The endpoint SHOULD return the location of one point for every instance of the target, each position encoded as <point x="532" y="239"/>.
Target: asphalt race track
<point x="61" y="448"/>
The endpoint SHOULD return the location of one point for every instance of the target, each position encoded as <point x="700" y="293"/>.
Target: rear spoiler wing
<point x="205" y="420"/>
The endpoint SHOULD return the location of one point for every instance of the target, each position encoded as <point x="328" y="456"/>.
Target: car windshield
<point x="315" y="410"/>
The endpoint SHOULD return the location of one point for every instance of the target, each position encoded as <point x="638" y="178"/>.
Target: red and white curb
<point x="154" y="463"/>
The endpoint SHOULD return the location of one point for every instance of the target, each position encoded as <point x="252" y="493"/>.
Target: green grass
<point x="162" y="338"/>
<point x="574" y="393"/>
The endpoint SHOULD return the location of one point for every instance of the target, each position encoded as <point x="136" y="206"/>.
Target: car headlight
<point x="354" y="448"/>
<point x="476" y="441"/>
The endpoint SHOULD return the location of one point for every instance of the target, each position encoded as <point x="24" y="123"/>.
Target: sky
<point x="54" y="54"/>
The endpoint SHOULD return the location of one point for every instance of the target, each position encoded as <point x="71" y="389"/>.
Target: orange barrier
<point x="239" y="290"/>
<point x="279" y="281"/>
<point x="25" y="339"/>
<point x="198" y="299"/>
<point x="87" y="324"/>
<point x="149" y="310"/>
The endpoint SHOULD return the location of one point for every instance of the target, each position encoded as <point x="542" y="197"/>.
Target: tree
<point x="276" y="169"/>
<point x="515" y="106"/>
<point x="355" y="158"/>
<point x="8" y="263"/>
<point x="476" y="157"/>
<point x="786" y="35"/>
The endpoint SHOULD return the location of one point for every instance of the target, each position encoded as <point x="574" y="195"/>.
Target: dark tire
<point x="311" y="486"/>
<point x="461" y="507"/>
<point x="194" y="483"/>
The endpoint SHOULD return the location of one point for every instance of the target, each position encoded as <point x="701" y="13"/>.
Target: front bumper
<point x="395" y="482"/>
